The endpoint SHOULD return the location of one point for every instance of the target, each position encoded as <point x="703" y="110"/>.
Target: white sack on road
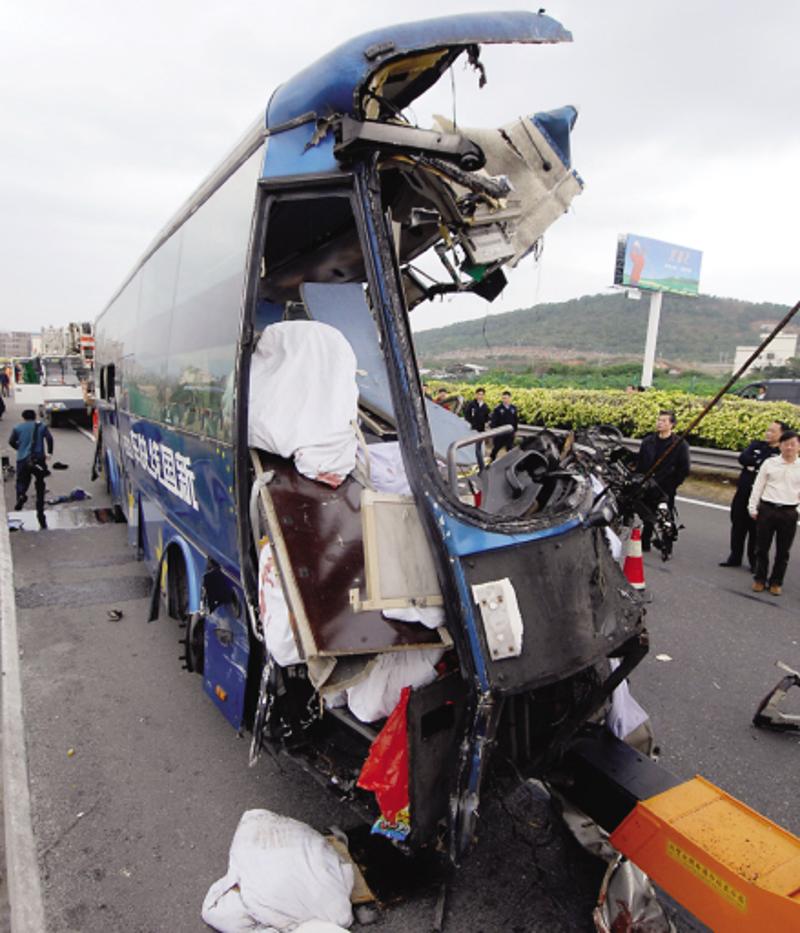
<point x="281" y="874"/>
<point x="319" y="926"/>
<point x="304" y="398"/>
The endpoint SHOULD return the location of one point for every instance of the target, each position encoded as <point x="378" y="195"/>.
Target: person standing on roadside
<point x="29" y="440"/>
<point x="504" y="413"/>
<point x="477" y="412"/>
<point x="477" y="415"/>
<point x="671" y="472"/>
<point x="743" y="528"/>
<point x="773" y="504"/>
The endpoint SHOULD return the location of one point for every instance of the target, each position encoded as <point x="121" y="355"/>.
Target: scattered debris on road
<point x="769" y="715"/>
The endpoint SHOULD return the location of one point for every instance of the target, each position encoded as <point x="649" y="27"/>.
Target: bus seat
<point x="344" y="306"/>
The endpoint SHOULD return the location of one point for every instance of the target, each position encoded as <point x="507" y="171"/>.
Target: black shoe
<point x="42" y="522"/>
<point x="729" y="563"/>
<point x="20" y="503"/>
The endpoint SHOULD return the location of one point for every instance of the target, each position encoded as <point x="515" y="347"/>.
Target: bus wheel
<point x="193" y="643"/>
<point x="192" y="623"/>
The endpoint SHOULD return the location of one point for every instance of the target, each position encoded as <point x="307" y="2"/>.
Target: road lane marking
<point x="22" y="866"/>
<point x="708" y="505"/>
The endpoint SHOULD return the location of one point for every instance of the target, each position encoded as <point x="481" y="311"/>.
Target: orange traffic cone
<point x="634" y="565"/>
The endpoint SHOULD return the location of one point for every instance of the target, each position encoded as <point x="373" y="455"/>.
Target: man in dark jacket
<point x="477" y="415"/>
<point x="743" y="528"/>
<point x="477" y="412"/>
<point x="505" y="413"/>
<point x="671" y="472"/>
<point x="29" y="440"/>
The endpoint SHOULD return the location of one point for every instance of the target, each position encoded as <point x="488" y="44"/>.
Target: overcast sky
<point x="113" y="113"/>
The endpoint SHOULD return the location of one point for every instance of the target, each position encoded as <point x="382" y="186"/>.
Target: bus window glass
<point x="205" y="318"/>
<point x="159" y="277"/>
<point x="314" y="269"/>
<point x="117" y="330"/>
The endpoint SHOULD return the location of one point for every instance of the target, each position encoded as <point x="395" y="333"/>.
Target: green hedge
<point x="731" y="425"/>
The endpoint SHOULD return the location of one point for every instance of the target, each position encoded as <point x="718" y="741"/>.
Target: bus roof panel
<point x="332" y="84"/>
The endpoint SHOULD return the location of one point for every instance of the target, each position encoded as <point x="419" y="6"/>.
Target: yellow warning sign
<point x="718" y="884"/>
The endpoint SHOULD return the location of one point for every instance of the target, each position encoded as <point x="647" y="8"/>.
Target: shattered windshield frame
<point x="428" y="470"/>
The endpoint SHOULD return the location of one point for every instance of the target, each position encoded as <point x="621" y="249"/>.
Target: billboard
<point x="657" y="266"/>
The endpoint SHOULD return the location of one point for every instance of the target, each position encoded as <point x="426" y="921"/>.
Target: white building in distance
<point x="782" y="348"/>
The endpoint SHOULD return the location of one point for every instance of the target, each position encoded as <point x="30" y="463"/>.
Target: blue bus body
<point x="309" y="198"/>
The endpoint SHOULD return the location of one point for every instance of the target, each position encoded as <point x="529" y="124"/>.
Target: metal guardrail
<point x="704" y="457"/>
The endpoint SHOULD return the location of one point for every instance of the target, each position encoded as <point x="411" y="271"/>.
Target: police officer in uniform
<point x="505" y="413"/>
<point x="743" y="528"/>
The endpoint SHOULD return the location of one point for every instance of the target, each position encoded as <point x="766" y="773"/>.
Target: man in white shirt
<point x="773" y="504"/>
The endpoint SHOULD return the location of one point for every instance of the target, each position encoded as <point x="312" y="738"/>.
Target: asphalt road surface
<point x="724" y="641"/>
<point x="138" y="783"/>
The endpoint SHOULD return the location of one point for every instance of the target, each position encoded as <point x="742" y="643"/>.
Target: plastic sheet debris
<point x="625" y="715"/>
<point x="274" y="611"/>
<point x="64" y="519"/>
<point x="282" y="875"/>
<point x="769" y="714"/>
<point x="663" y="657"/>
<point x="398" y="829"/>
<point x="385" y="772"/>
<point x="114" y="615"/>
<point x="77" y="495"/>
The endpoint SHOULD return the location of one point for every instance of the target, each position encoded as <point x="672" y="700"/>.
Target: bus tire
<point x="192" y="623"/>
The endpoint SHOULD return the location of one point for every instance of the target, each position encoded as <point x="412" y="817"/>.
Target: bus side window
<point x="109" y="383"/>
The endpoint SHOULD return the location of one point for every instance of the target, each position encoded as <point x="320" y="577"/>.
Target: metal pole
<point x="739" y="372"/>
<point x="652" y="337"/>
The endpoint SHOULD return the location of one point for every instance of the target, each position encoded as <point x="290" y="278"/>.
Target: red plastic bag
<point x="386" y="769"/>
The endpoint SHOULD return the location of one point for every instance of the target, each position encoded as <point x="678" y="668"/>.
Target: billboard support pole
<point x="652" y="337"/>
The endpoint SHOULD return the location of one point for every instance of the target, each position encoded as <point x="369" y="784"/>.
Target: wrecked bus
<point x="340" y="560"/>
<point x="318" y="526"/>
<point x="353" y="584"/>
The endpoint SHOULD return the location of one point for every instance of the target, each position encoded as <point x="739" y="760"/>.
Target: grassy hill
<point x="692" y="329"/>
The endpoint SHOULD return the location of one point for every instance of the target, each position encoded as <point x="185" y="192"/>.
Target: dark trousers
<point x="28" y="470"/>
<point x="743" y="530"/>
<point x="647" y="527"/>
<point x="780" y="522"/>
<point x="502" y="441"/>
